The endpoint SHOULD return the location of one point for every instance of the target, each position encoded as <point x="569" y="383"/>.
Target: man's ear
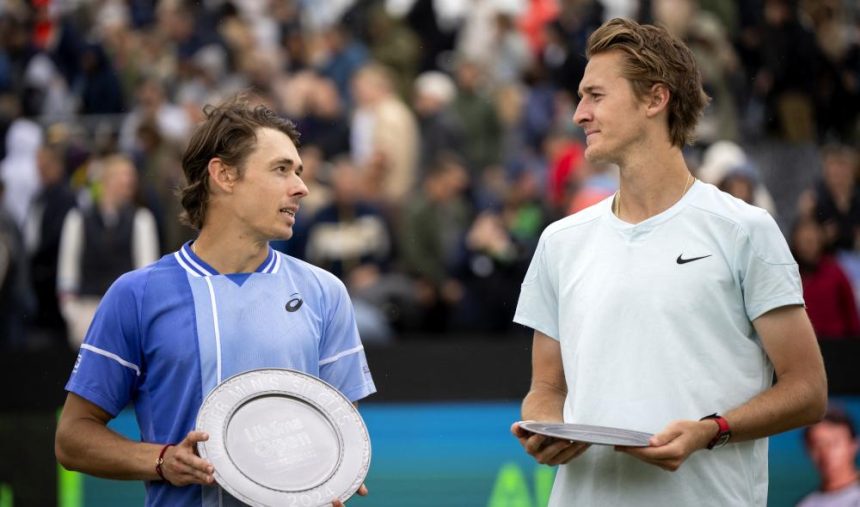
<point x="221" y="175"/>
<point x="657" y="99"/>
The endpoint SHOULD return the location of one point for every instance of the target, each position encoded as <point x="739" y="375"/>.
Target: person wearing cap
<point x="666" y="308"/>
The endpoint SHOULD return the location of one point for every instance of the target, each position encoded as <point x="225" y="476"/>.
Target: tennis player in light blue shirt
<point x="164" y="336"/>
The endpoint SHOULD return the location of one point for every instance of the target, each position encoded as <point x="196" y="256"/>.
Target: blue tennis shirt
<point x="167" y="334"/>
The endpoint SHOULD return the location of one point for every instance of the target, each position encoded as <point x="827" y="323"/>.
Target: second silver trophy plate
<point x="601" y="435"/>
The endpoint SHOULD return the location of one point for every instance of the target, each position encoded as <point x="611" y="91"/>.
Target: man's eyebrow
<point x="289" y="163"/>
<point x="588" y="89"/>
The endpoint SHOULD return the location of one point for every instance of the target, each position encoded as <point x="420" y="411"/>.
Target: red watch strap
<point x="723" y="432"/>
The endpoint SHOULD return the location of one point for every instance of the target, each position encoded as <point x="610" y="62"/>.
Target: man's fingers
<point x="535" y="443"/>
<point x="665" y="436"/>
<point x="195" y="436"/>
<point x="518" y="431"/>
<point x="362" y="490"/>
<point x="552" y="453"/>
<point x="569" y="453"/>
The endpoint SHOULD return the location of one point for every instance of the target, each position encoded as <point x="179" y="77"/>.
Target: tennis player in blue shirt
<point x="167" y="334"/>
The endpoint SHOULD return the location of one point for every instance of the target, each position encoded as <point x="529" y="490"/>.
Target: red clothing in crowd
<point x="830" y="300"/>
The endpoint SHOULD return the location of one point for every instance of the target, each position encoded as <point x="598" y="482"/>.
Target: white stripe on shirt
<point x="340" y="355"/>
<point x="113" y="356"/>
<point x="217" y="331"/>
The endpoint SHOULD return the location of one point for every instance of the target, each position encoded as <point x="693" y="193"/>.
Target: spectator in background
<point x="394" y="45"/>
<point x="477" y="115"/>
<point x="564" y="157"/>
<point x="351" y="238"/>
<point x="152" y="105"/>
<point x="325" y="123"/>
<point x="42" y="236"/>
<point x="827" y="291"/>
<point x="724" y="158"/>
<point x="594" y="182"/>
<point x="16" y="300"/>
<point x="707" y="39"/>
<point x="835" y="201"/>
<point x="740" y="183"/>
<point x="160" y="171"/>
<point x="432" y="232"/>
<point x="98" y="86"/>
<point x="101" y="242"/>
<point x="511" y="55"/>
<point x="838" y="87"/>
<point x="384" y="135"/>
<point x="441" y="129"/>
<point x="788" y="58"/>
<point x="343" y="56"/>
<point x="832" y="447"/>
<point x="18" y="170"/>
<point x="349" y="233"/>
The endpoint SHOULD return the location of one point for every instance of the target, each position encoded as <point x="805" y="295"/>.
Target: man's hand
<point x="362" y="491"/>
<point x="548" y="450"/>
<point x="672" y="446"/>
<point x="182" y="466"/>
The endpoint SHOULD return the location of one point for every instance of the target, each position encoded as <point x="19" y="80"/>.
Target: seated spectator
<point x="827" y="292"/>
<point x="349" y="232"/>
<point x="101" y="242"/>
<point x="835" y="200"/>
<point x="832" y="446"/>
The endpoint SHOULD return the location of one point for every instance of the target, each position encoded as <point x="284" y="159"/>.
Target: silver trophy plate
<point x="283" y="437"/>
<point x="601" y="435"/>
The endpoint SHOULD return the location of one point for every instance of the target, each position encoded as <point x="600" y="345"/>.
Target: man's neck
<point x="651" y="184"/>
<point x="229" y="252"/>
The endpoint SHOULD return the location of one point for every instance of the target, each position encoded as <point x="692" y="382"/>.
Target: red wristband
<point x="160" y="461"/>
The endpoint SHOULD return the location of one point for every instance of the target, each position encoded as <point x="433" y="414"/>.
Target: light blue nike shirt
<point x="167" y="334"/>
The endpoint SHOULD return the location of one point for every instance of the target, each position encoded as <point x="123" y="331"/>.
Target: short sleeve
<point x="537" y="307"/>
<point x="108" y="367"/>
<point x="342" y="360"/>
<point x="767" y="271"/>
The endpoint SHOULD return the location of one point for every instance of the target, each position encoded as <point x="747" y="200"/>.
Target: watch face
<point x="723" y="439"/>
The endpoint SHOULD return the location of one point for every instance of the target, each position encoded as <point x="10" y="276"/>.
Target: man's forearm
<point x="90" y="447"/>
<point x="789" y="404"/>
<point x="544" y="403"/>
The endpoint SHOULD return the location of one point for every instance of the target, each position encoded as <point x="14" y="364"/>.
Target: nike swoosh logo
<point x="679" y="260"/>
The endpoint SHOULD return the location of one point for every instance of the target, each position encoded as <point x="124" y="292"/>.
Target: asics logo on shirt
<point x="680" y="260"/>
<point x="295" y="303"/>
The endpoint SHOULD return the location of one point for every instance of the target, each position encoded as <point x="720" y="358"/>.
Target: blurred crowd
<point x="437" y="141"/>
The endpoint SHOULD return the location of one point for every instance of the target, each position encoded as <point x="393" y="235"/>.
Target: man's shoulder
<point x="136" y="281"/>
<point x="577" y="222"/>
<point x="723" y="206"/>
<point x="303" y="269"/>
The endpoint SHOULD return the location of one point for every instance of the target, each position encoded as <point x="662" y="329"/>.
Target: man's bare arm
<point x="545" y="399"/>
<point x="84" y="443"/>
<point x="545" y="402"/>
<point x="797" y="399"/>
